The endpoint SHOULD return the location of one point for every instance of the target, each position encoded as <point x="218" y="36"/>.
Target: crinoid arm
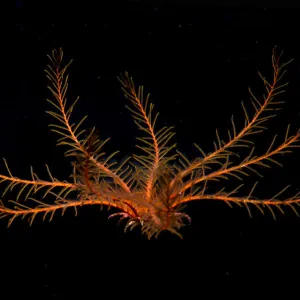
<point x="96" y="178"/>
<point x="27" y="189"/>
<point x="155" y="142"/>
<point x="154" y="169"/>
<point x="218" y="165"/>
<point x="71" y="134"/>
<point x="264" y="108"/>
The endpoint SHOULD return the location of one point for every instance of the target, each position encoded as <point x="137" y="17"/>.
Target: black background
<point x="197" y="61"/>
